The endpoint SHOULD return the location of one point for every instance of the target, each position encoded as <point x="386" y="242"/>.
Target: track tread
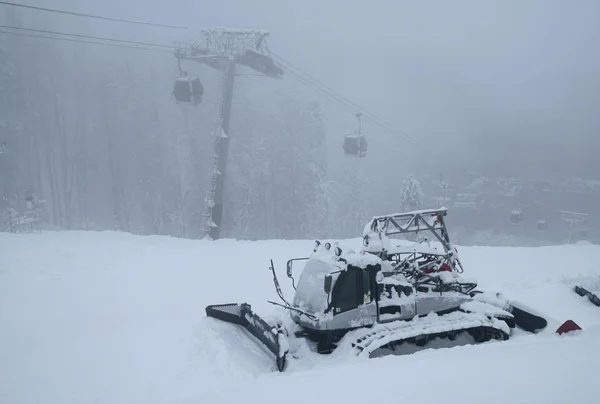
<point x="481" y="327"/>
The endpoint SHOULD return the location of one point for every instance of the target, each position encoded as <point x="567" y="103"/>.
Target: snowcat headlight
<point x="338" y="251"/>
<point x="317" y="244"/>
<point x="327" y="246"/>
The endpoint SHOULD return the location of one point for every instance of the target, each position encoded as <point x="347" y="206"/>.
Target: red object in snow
<point x="567" y="327"/>
<point x="443" y="267"/>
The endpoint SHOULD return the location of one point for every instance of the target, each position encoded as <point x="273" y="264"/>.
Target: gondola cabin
<point x="188" y="90"/>
<point x="355" y="145"/>
<point x="516" y="217"/>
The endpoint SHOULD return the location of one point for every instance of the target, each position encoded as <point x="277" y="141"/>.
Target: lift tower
<point x="223" y="49"/>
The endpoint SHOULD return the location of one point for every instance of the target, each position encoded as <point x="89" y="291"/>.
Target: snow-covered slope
<point x="113" y="318"/>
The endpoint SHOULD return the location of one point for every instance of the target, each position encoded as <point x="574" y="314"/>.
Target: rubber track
<point x="371" y="339"/>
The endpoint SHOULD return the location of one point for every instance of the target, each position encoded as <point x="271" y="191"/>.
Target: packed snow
<point x="105" y="317"/>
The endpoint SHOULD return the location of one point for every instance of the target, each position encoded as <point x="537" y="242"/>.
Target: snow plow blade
<point x="242" y="315"/>
<point x="591" y="296"/>
<point x="525" y="319"/>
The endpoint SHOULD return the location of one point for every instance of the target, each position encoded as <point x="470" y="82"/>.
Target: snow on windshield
<point x="310" y="295"/>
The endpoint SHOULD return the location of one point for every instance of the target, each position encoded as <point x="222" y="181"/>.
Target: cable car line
<point x="290" y="99"/>
<point x="85" y="36"/>
<point x="343" y="102"/>
<point x="320" y="90"/>
<point x="355" y="143"/>
<point x="82" y="41"/>
<point x="369" y="116"/>
<point x="52" y="10"/>
<point x="348" y="104"/>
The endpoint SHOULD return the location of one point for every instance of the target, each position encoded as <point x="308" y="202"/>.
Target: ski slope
<point x="105" y="317"/>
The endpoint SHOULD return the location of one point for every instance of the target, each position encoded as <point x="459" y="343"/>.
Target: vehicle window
<point x="347" y="291"/>
<point x="366" y="286"/>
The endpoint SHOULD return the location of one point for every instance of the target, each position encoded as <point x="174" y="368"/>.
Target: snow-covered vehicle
<point x="385" y="299"/>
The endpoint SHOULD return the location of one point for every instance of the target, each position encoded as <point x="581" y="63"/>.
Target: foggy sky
<point x="479" y="77"/>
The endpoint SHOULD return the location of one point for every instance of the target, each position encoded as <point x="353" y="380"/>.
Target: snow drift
<point x="104" y="317"/>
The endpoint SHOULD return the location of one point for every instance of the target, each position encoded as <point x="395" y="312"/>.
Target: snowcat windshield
<point x="310" y="294"/>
